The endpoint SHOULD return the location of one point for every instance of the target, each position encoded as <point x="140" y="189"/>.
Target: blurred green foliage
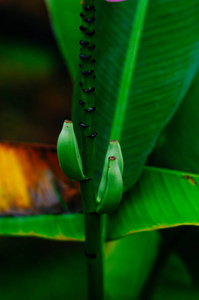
<point x="35" y="87"/>
<point x="35" y="97"/>
<point x="36" y="92"/>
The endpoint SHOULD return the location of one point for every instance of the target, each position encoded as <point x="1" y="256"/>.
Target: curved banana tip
<point x="68" y="121"/>
<point x="112" y="158"/>
<point x="114" y="141"/>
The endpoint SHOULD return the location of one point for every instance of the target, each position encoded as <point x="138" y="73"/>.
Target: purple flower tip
<point x="115" y="0"/>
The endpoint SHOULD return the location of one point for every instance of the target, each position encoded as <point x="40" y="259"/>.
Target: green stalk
<point x="94" y="223"/>
<point x="94" y="250"/>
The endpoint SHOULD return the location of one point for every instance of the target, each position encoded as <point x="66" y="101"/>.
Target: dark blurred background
<point x="35" y="98"/>
<point x="35" y="87"/>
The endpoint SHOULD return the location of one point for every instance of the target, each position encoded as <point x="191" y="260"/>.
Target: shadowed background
<point x="35" y="87"/>
<point x="35" y="98"/>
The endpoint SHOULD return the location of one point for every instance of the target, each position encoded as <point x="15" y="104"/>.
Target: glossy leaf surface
<point x="65" y="21"/>
<point x="166" y="62"/>
<point x="32" y="183"/>
<point x="128" y="263"/>
<point x="160" y="199"/>
<point x="178" y="145"/>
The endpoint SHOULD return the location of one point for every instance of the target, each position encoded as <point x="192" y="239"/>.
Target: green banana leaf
<point x="50" y="259"/>
<point x="175" y="282"/>
<point x="155" y="275"/>
<point x="160" y="199"/>
<point x="65" y="19"/>
<point x="167" y="59"/>
<point x="135" y="108"/>
<point x="128" y="266"/>
<point x="184" y="241"/>
<point x="42" y="270"/>
<point x="178" y="145"/>
<point x="36" y="64"/>
<point x="58" y="270"/>
<point x="40" y="198"/>
<point x="161" y="274"/>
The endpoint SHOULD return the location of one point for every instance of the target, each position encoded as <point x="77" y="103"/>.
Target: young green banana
<point x="115" y="150"/>
<point x="109" y="198"/>
<point x="111" y="185"/>
<point x="68" y="153"/>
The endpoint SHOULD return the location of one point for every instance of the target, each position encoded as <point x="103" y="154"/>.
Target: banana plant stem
<point x="94" y="223"/>
<point x="94" y="251"/>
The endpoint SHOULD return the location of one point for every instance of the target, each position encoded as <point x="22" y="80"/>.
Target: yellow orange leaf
<point x="31" y="181"/>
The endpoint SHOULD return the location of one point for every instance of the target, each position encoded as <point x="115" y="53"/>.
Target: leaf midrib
<point x="128" y="70"/>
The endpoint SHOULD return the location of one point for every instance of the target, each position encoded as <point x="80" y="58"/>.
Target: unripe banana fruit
<point x="115" y="150"/>
<point x="68" y="153"/>
<point x="111" y="185"/>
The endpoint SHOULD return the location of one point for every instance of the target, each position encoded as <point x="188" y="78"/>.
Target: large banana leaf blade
<point x="178" y="145"/>
<point x="65" y="19"/>
<point x="49" y="205"/>
<point x="167" y="59"/>
<point x="160" y="199"/>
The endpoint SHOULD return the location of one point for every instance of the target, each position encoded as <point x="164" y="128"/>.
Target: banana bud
<point x="115" y="150"/>
<point x="68" y="153"/>
<point x="111" y="185"/>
